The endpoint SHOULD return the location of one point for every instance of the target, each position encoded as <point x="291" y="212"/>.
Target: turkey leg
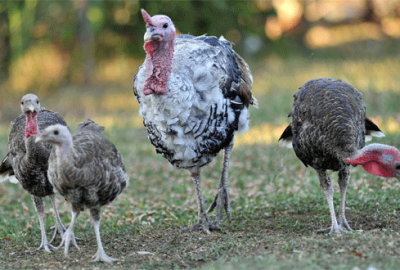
<point x="204" y="222"/>
<point x="222" y="200"/>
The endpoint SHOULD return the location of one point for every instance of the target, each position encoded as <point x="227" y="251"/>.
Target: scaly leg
<point x="204" y="223"/>
<point x="100" y="254"/>
<point x="69" y="234"/>
<point x="59" y="228"/>
<point x="222" y="199"/>
<point x="344" y="177"/>
<point x="39" y="207"/>
<point x="326" y="187"/>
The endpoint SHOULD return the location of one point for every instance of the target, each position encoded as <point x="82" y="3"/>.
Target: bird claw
<point x="46" y="248"/>
<point x="334" y="230"/>
<point x="343" y="224"/>
<point x="225" y="202"/>
<point x="58" y="233"/>
<point x="66" y="240"/>
<point x="101" y="256"/>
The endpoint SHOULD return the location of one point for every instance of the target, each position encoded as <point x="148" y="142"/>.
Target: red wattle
<point x="376" y="169"/>
<point x="147" y="91"/>
<point x="150" y="48"/>
<point x="31" y="127"/>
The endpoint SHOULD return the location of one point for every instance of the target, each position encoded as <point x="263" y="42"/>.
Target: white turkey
<point x="328" y="132"/>
<point x="194" y="94"/>
<point x="28" y="161"/>
<point x="88" y="171"/>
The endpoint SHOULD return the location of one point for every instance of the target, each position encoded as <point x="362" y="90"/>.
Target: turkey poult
<point x="88" y="171"/>
<point x="28" y="161"/>
<point x="194" y="94"/>
<point x="328" y="132"/>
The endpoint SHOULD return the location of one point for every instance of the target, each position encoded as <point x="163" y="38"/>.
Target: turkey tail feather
<point x="372" y="130"/>
<point x="245" y="93"/>
<point x="286" y="138"/>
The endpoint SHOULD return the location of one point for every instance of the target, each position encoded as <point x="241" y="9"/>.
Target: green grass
<point x="277" y="205"/>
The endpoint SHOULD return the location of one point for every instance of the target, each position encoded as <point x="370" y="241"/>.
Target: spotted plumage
<point x="194" y="94"/>
<point x="329" y="128"/>
<point x="205" y="105"/>
<point x="28" y="161"/>
<point x="88" y="171"/>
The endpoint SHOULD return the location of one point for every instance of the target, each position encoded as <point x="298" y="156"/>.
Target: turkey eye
<point x="165" y="25"/>
<point x="37" y="101"/>
<point x="55" y="132"/>
<point x="22" y="103"/>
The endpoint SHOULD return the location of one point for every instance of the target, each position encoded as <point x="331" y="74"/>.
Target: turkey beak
<point x="42" y="137"/>
<point x="38" y="139"/>
<point x="147" y="36"/>
<point x="151" y="36"/>
<point x="31" y="108"/>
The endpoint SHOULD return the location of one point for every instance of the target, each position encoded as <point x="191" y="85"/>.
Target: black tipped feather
<point x="287" y="133"/>
<point x="213" y="118"/>
<point x="370" y="126"/>
<point x="328" y="123"/>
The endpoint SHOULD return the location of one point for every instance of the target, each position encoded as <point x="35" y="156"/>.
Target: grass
<point x="277" y="203"/>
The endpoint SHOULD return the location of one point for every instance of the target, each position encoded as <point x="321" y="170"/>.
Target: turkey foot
<point x="221" y="200"/>
<point x="342" y="227"/>
<point x="66" y="240"/>
<point x="336" y="229"/>
<point x="103" y="257"/>
<point x="45" y="246"/>
<point x="58" y="232"/>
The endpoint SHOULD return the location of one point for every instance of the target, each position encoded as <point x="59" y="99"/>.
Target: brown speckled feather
<point x="30" y="165"/>
<point x="246" y="83"/>
<point x="92" y="173"/>
<point x="328" y="123"/>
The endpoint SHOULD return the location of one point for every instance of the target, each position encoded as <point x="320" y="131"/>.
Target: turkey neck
<point x="158" y="66"/>
<point x="31" y="127"/>
<point x="31" y="131"/>
<point x="63" y="148"/>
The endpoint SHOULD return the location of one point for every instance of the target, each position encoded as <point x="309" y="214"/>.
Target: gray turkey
<point x="28" y="161"/>
<point x="328" y="132"/>
<point x="88" y="171"/>
<point x="194" y="94"/>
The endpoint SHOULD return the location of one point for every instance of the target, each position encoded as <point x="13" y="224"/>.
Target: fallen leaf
<point x="144" y="253"/>
<point x="358" y="254"/>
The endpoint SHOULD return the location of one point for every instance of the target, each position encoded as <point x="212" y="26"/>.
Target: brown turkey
<point x="194" y="94"/>
<point x="328" y="132"/>
<point x="88" y="170"/>
<point x="28" y="161"/>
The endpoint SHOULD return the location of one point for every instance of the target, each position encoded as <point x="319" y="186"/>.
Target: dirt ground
<point x="287" y="238"/>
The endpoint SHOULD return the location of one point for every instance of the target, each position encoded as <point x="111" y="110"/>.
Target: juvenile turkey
<point x="88" y="171"/>
<point x="194" y="94"/>
<point x="28" y="161"/>
<point x="328" y="132"/>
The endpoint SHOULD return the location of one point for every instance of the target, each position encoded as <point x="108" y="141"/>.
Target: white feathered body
<point x="204" y="105"/>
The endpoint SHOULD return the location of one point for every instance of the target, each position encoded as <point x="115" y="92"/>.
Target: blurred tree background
<point x="47" y="45"/>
